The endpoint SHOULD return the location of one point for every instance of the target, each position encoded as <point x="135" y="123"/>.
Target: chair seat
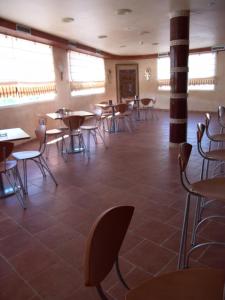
<point x="213" y="188"/>
<point x="195" y="284"/>
<point x="53" y="131"/>
<point x="10" y="164"/>
<point x="26" y="154"/>
<point x="89" y="127"/>
<point x="218" y="137"/>
<point x="216" y="154"/>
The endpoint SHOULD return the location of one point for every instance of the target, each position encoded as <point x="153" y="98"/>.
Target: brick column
<point x="179" y="50"/>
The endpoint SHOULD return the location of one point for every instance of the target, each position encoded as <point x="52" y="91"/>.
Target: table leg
<point x="74" y="149"/>
<point x="113" y="120"/>
<point x="138" y="112"/>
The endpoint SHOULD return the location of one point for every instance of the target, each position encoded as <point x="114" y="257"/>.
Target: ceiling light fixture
<point x="141" y="43"/>
<point x="103" y="36"/>
<point x="67" y="19"/>
<point x="155" y="44"/>
<point x="123" y="11"/>
<point x="122" y="46"/>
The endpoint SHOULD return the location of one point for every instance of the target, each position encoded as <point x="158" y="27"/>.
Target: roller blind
<point x="87" y="73"/>
<point x="27" y="68"/>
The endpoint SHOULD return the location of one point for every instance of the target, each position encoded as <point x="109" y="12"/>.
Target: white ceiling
<point x="98" y="17"/>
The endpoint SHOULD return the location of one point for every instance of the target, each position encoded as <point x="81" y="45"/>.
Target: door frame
<point x="126" y="67"/>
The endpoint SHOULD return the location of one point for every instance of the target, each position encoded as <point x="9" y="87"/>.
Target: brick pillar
<point x="179" y="50"/>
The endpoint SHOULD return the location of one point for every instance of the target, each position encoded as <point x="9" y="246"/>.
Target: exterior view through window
<point x="87" y="74"/>
<point x="27" y="71"/>
<point x="201" y="75"/>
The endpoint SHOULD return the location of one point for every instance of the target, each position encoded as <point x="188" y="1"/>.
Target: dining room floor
<point x="41" y="248"/>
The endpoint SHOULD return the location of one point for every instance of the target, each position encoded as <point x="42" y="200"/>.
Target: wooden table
<point x="112" y="106"/>
<point x="9" y="135"/>
<point x="80" y="113"/>
<point x="13" y="134"/>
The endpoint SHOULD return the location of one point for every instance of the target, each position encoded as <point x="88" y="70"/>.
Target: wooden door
<point x="127" y="81"/>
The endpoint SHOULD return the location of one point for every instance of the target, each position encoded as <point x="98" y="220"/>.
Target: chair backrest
<point x="122" y="107"/>
<point x="104" y="242"/>
<point x="40" y="133"/>
<point x="221" y="115"/>
<point x="200" y="132"/>
<point x="146" y="101"/>
<point x="73" y="122"/>
<point x="6" y="149"/>
<point x="42" y="119"/>
<point x="184" y="155"/>
<point x="63" y="110"/>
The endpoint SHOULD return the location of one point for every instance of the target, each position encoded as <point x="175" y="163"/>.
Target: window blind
<point x="202" y="69"/>
<point x="86" y="72"/>
<point x="27" y="68"/>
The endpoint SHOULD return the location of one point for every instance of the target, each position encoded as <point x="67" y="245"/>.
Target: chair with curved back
<point x="101" y="253"/>
<point x="145" y="108"/>
<point x="103" y="245"/>
<point x="213" y="155"/>
<point x="8" y="168"/>
<point x="94" y="130"/>
<point x="74" y="123"/>
<point x="213" y="188"/>
<point x="35" y="156"/>
<point x="218" y="138"/>
<point x="123" y="114"/>
<point x="52" y="135"/>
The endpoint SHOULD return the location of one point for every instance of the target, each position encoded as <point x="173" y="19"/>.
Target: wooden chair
<point x="189" y="284"/>
<point x="52" y="135"/>
<point x="213" y="155"/>
<point x="35" y="156"/>
<point x="9" y="169"/>
<point x="101" y="253"/>
<point x="103" y="246"/>
<point x="94" y="130"/>
<point x="74" y="123"/>
<point x="213" y="188"/>
<point x="218" y="138"/>
<point x="123" y="114"/>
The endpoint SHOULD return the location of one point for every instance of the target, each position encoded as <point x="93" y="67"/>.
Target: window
<point x="87" y="74"/>
<point x="201" y="72"/>
<point x="27" y="71"/>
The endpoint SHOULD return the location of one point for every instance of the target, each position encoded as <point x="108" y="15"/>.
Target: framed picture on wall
<point x="127" y="83"/>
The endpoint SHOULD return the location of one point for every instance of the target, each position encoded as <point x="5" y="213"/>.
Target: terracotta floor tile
<point x="154" y="231"/>
<point x="56" y="235"/>
<point x="33" y="261"/>
<point x="57" y="282"/>
<point x="12" y="287"/>
<point x="214" y="257"/>
<point x="38" y="222"/>
<point x="8" y="227"/>
<point x="154" y="259"/>
<point x="72" y="251"/>
<point x="5" y="268"/>
<point x="16" y="243"/>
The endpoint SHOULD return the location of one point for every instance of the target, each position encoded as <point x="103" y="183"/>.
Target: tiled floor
<point x="41" y="249"/>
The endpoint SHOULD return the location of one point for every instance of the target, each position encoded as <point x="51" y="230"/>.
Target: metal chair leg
<point x="120" y="275"/>
<point x="182" y="251"/>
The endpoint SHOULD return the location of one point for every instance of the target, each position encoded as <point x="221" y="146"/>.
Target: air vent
<point x="165" y="54"/>
<point x="218" y="48"/>
<point x="23" y="28"/>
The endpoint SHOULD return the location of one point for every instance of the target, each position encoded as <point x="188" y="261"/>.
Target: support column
<point x="179" y="50"/>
